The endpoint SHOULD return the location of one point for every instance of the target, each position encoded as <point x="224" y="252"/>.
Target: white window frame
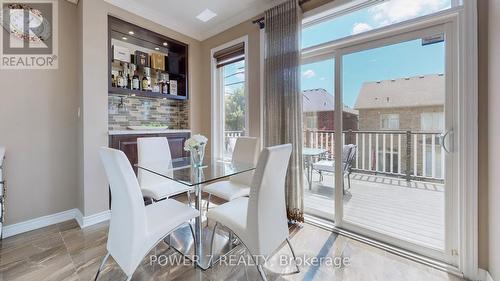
<point x="463" y="20"/>
<point x="432" y="115"/>
<point x="217" y="97"/>
<point x="389" y="117"/>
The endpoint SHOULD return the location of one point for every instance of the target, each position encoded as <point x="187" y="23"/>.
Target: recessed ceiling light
<point x="156" y="48"/>
<point x="206" y="15"/>
<point x="165" y="44"/>
<point x="131" y="32"/>
<point x="124" y="38"/>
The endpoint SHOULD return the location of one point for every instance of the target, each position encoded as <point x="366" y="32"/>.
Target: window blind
<point x="230" y="55"/>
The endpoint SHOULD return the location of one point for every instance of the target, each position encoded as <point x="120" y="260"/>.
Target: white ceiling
<point x="180" y="15"/>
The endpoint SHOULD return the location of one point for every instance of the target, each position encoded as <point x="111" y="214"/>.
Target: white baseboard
<point x="484" y="275"/>
<point x="92" y="219"/>
<point x="25" y="226"/>
<point x="36" y="223"/>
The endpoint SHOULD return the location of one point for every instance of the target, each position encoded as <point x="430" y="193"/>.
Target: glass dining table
<point x="212" y="169"/>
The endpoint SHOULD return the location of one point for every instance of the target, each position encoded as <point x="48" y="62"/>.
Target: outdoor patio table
<point x="309" y="154"/>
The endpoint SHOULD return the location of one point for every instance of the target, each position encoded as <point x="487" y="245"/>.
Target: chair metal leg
<point x="259" y="267"/>
<point x="208" y="200"/>
<point x="102" y="265"/>
<point x="212" y="243"/>
<point x="231" y="238"/>
<point x="129" y="278"/>
<point x="194" y="245"/>
<point x="261" y="272"/>
<point x="293" y="254"/>
<point x="189" y="197"/>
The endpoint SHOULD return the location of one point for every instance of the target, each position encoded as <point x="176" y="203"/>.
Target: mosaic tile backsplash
<point x="130" y="111"/>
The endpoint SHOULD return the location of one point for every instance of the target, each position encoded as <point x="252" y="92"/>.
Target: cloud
<point x="322" y="78"/>
<point x="309" y="73"/>
<point x="399" y="10"/>
<point x="360" y="27"/>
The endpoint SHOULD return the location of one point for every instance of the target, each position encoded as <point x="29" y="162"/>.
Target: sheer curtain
<point x="282" y="96"/>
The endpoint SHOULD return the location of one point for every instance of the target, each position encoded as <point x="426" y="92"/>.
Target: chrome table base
<point x="182" y="241"/>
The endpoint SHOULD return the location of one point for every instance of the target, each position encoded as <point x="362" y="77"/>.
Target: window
<point x="369" y="17"/>
<point x="235" y="108"/>
<point x="432" y="121"/>
<point x="229" y="96"/>
<point x="389" y="121"/>
<point x="311" y="122"/>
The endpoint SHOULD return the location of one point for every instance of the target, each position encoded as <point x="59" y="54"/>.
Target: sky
<point x="401" y="60"/>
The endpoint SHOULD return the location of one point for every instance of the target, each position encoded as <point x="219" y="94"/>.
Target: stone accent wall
<point x="132" y="111"/>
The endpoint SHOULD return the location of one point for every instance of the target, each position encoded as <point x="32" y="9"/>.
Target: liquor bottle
<point x="146" y="80"/>
<point x="165" y="84"/>
<point x="129" y="82"/>
<point x="145" y="83"/>
<point x="135" y="81"/>
<point x="113" y="80"/>
<point x="119" y="80"/>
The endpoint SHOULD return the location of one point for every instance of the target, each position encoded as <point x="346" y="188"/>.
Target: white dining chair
<point x="155" y="152"/>
<point x="134" y="228"/>
<point x="260" y="221"/>
<point x="246" y="150"/>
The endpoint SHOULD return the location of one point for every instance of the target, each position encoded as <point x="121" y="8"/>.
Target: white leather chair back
<point x="266" y="217"/>
<point x="152" y="152"/>
<point x="127" y="229"/>
<point x="246" y="150"/>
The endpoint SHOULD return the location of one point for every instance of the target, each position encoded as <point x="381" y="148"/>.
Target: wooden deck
<point x="411" y="211"/>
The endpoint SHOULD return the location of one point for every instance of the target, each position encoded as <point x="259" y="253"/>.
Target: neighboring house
<point x="318" y="108"/>
<point x="413" y="104"/>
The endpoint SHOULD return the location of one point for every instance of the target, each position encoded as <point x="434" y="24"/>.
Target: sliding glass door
<point x="317" y="85"/>
<point x="378" y="148"/>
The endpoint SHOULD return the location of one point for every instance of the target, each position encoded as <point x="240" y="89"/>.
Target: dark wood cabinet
<point x="128" y="144"/>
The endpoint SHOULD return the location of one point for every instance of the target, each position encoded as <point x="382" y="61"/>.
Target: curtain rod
<point x="260" y="20"/>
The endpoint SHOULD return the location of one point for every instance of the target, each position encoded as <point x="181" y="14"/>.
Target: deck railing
<point x="409" y="154"/>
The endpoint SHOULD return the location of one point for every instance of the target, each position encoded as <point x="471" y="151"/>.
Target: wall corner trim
<point x="40" y="222"/>
<point x="92" y="219"/>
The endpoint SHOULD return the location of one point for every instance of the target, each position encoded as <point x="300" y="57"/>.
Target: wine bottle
<point x="119" y="80"/>
<point x="145" y="83"/>
<point x="135" y="81"/>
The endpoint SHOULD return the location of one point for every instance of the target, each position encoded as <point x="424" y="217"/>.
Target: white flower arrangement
<point x="194" y="142"/>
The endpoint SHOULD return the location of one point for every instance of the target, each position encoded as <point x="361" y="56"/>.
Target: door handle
<point x="443" y="138"/>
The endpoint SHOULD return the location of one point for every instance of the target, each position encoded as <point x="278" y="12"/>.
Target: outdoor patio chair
<point x="328" y="165"/>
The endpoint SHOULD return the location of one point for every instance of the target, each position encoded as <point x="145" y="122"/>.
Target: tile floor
<point x="66" y="252"/>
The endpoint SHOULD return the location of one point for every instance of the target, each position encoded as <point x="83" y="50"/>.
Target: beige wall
<point x="94" y="122"/>
<point x="38" y="125"/>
